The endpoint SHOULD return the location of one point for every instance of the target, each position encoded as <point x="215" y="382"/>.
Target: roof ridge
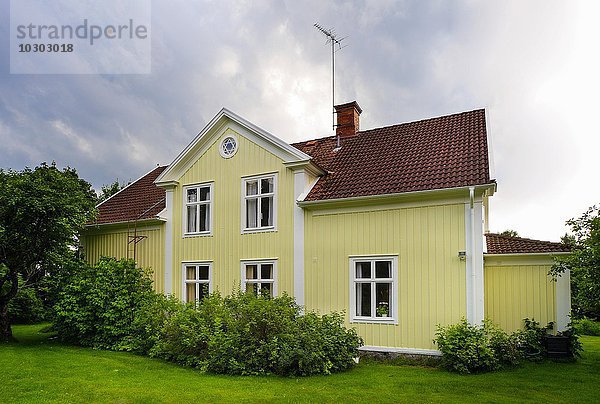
<point x="523" y="238"/>
<point x="423" y="120"/>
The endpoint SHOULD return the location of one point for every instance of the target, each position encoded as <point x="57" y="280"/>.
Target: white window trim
<point x="235" y="139"/>
<point x="184" y="282"/>
<point x="272" y="261"/>
<point x="210" y="203"/>
<point x="352" y="267"/>
<point x="245" y="229"/>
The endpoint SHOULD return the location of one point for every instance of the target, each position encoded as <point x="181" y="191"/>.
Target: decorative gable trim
<point x="213" y="130"/>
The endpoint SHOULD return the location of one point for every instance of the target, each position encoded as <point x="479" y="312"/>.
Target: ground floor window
<point x="196" y="281"/>
<point x="374" y="289"/>
<point x="259" y="277"/>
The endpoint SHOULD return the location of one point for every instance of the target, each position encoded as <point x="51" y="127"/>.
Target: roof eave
<point x="383" y="197"/>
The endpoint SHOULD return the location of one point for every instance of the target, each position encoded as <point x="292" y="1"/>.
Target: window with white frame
<point x="258" y="277"/>
<point x="198" y="205"/>
<point x="259" y="204"/>
<point x="196" y="281"/>
<point x="374" y="289"/>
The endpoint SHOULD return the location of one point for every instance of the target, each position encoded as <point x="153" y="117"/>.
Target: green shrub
<point x="26" y="307"/>
<point x="532" y="339"/>
<point x="470" y="348"/>
<point x="97" y="305"/>
<point x="244" y="334"/>
<point x="585" y="326"/>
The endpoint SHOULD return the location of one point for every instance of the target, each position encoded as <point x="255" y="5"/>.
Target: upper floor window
<point x="196" y="281"/>
<point x="198" y="208"/>
<point x="374" y="289"/>
<point x="259" y="202"/>
<point x="258" y="277"/>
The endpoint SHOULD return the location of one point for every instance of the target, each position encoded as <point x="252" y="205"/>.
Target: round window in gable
<point x="228" y="147"/>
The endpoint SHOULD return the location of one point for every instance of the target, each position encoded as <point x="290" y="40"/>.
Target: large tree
<point x="109" y="190"/>
<point x="41" y="212"/>
<point x="583" y="263"/>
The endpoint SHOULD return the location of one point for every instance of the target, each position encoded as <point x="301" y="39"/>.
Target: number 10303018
<point x="46" y="47"/>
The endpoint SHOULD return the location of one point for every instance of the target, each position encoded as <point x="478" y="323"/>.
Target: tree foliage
<point x="41" y="212"/>
<point x="583" y="263"/>
<point x="510" y="233"/>
<point x="109" y="190"/>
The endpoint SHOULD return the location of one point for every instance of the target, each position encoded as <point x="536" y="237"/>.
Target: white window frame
<point x="210" y="204"/>
<point x="198" y="282"/>
<point x="258" y="196"/>
<point x="354" y="318"/>
<point x="245" y="263"/>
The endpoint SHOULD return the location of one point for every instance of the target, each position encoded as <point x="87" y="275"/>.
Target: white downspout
<point x="472" y="214"/>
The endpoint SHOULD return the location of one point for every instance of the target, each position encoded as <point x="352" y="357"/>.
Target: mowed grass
<point x="39" y="369"/>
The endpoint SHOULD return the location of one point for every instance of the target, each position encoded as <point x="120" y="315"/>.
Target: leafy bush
<point x="98" y="304"/>
<point x="246" y="334"/>
<point x="26" y="307"/>
<point x="470" y="348"/>
<point x="532" y="339"/>
<point x="585" y="326"/>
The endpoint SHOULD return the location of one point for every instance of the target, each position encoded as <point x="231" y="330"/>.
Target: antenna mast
<point x="333" y="40"/>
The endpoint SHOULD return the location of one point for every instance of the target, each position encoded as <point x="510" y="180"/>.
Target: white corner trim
<point x="474" y="260"/>
<point x="168" y="287"/>
<point x="300" y="178"/>
<point x="409" y="351"/>
<point x="563" y="301"/>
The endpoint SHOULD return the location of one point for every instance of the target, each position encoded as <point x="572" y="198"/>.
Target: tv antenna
<point x="335" y="42"/>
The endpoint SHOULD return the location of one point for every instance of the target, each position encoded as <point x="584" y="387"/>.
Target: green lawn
<point x="37" y="369"/>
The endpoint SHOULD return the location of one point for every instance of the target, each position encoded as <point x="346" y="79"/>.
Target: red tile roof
<point x="138" y="201"/>
<point x="445" y="152"/>
<point x="499" y="244"/>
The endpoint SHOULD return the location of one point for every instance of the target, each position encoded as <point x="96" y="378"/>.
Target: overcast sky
<point x="534" y="66"/>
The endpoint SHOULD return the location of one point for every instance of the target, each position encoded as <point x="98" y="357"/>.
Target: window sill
<point x="374" y="320"/>
<point x="271" y="229"/>
<point x="203" y="234"/>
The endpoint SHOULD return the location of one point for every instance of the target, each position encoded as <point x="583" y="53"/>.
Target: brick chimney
<point x="347" y="119"/>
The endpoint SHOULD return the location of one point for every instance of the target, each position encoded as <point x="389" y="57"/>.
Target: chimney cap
<point x="348" y="105"/>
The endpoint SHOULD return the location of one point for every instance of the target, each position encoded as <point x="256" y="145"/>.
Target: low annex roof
<point x="500" y="244"/>
<point x="140" y="200"/>
<point x="445" y="152"/>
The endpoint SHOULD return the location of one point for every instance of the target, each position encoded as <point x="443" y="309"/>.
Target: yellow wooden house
<point x="388" y="225"/>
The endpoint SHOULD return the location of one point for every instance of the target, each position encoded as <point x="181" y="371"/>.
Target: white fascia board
<point x="282" y="149"/>
<point x="376" y="198"/>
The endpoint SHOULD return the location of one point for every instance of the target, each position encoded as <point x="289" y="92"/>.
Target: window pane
<point x="383" y="269"/>
<point x="190" y="273"/>
<point x="204" y="218"/>
<point x="251" y="272"/>
<point x="190" y="292"/>
<point x="203" y="273"/>
<point x="363" y="270"/>
<point x="251" y="213"/>
<point x="191" y="219"/>
<point x="266" y="271"/>
<point x="363" y="299"/>
<point x="266" y="289"/>
<point x="192" y="195"/>
<point x="205" y="193"/>
<point x="252" y="187"/>
<point x="383" y="302"/>
<point x="203" y="291"/>
<point x="266" y="185"/>
<point x="266" y="211"/>
<point x="252" y="288"/>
